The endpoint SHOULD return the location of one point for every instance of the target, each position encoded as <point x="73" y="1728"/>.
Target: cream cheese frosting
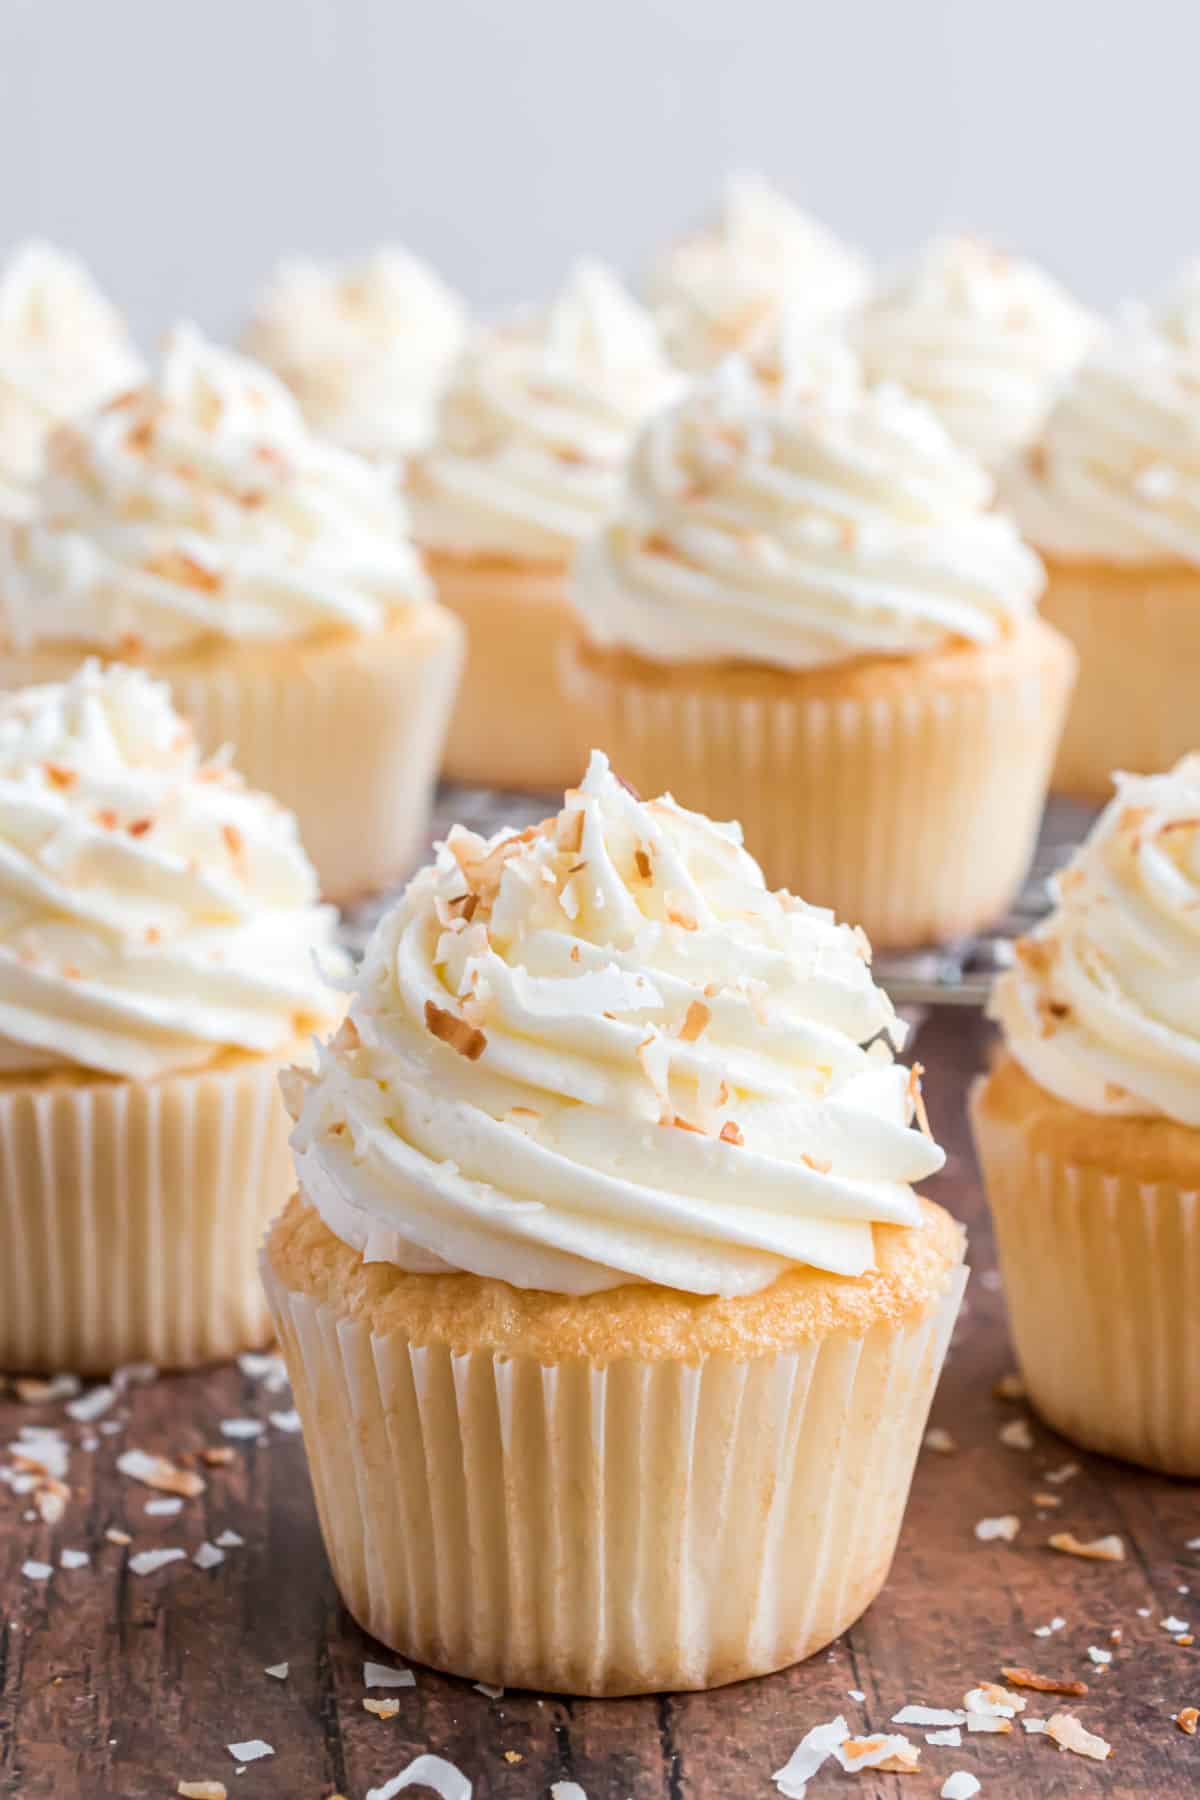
<point x="1102" y="1007"/>
<point x="601" y="1051"/>
<point x="365" y="347"/>
<point x="536" y="424"/>
<point x="986" y="338"/>
<point x="201" y="507"/>
<point x="844" y="524"/>
<point x="1116" y="472"/>
<point x="721" y="288"/>
<point x="63" y="349"/>
<point x="154" y="912"/>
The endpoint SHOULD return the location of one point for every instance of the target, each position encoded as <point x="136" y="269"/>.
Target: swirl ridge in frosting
<point x="801" y="532"/>
<point x="154" y="912"/>
<point x="200" y="507"/>
<point x="536" y="423"/>
<point x="365" y="347"/>
<point x="1102" y="1007"/>
<point x="601" y="1051"/>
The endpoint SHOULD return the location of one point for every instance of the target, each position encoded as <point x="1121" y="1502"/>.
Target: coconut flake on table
<point x="1101" y="1549"/>
<point x="1044" y="1631"/>
<point x="961" y="1785"/>
<point x="566" y="1790"/>
<point x="36" y="1390"/>
<point x="242" y="1428"/>
<point x="92" y="1405"/>
<point x="447" y="1781"/>
<point x="149" y="1562"/>
<point x="928" y="1715"/>
<point x="950" y="1739"/>
<point x="1173" y="1625"/>
<point x="1101" y="1658"/>
<point x="278" y="1671"/>
<point x="229" y="1540"/>
<point x="285" y="1421"/>
<point x="202" y="1790"/>
<point x="382" y="1675"/>
<point x="1033" y="1725"/>
<point x="166" y="1508"/>
<point x="1017" y="1435"/>
<point x="253" y="1750"/>
<point x="74" y="1559"/>
<point x="490" y="1693"/>
<point x="264" y="1366"/>
<point x="1069" y="1734"/>
<point x="36" y="1571"/>
<point x="1006" y="1527"/>
<point x="855" y="1694"/>
<point x="1064" y="1472"/>
<point x="882" y="1750"/>
<point x="938" y="1439"/>
<point x="208" y="1556"/>
<point x="45" y="1446"/>
<point x="813" y="1750"/>
<point x="161" y="1473"/>
<point x="994" y="1702"/>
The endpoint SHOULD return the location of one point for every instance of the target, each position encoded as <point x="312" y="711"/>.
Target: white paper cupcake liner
<point x="131" y="1215"/>
<point x="607" y="1530"/>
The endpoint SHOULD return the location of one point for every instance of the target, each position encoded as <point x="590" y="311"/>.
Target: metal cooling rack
<point x="956" y="974"/>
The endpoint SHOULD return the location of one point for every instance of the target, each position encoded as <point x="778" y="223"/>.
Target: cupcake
<point x="1111" y="497"/>
<point x="987" y="339"/>
<point x="63" y="349"/>
<point x="365" y="347"/>
<point x="612" y="1316"/>
<point x="533" y="435"/>
<point x="196" y="526"/>
<point x="760" y="259"/>
<point x="159" y="929"/>
<point x="1088" y="1131"/>
<point x="809" y="612"/>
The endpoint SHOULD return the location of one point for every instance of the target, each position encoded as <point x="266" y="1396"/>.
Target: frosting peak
<point x="841" y="522"/>
<point x="987" y="339"/>
<point x="365" y="347"/>
<point x="536" y="424"/>
<point x="1103" y="1005"/>
<point x="200" y="506"/>
<point x="63" y="348"/>
<point x="600" y="1051"/>
<point x="760" y="259"/>
<point x="154" y="912"/>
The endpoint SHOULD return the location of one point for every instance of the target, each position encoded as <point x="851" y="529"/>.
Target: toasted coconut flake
<point x="50" y="1499"/>
<point x="731" y="1133"/>
<point x="815" y="1163"/>
<point x="201" y="1790"/>
<point x="642" y="862"/>
<point x="695" y="1021"/>
<point x="989" y="1722"/>
<point x="467" y="1039"/>
<point x="383" y="1709"/>
<point x="217" y="1456"/>
<point x="812" y="1752"/>
<point x="890" y="1751"/>
<point x="31" y="1390"/>
<point x="681" y="914"/>
<point x="938" y="1439"/>
<point x="1043" y="1684"/>
<point x="1187" y="1720"/>
<point x="1047" y="1499"/>
<point x="916" y="1099"/>
<point x="1065" y="1472"/>
<point x="989" y="1697"/>
<point x="60" y="777"/>
<point x="1009" y="1387"/>
<point x="1017" y="1435"/>
<point x="682" y="1124"/>
<point x="1069" y="1734"/>
<point x="158" y="1472"/>
<point x="1005" y="1527"/>
<point x="115" y="1536"/>
<point x="1101" y="1549"/>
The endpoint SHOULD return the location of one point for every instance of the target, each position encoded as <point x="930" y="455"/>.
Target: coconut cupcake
<point x="365" y="347"/>
<point x="808" y="611"/>
<point x="63" y="349"/>
<point x="158" y="932"/>
<point x="1088" y="1129"/>
<point x="531" y="446"/>
<point x="612" y="1315"/>
<point x="198" y="527"/>
<point x="987" y="339"/>
<point x="759" y="260"/>
<point x="1111" y="497"/>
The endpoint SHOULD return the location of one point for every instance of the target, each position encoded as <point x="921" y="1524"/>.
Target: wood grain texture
<point x="116" y="1686"/>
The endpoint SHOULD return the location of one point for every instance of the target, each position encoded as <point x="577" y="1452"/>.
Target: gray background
<point x="180" y="145"/>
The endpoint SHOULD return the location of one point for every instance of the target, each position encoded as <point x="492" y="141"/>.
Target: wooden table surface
<point x="113" y="1684"/>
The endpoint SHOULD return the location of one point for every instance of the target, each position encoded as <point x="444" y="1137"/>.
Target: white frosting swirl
<point x="365" y="348"/>
<point x="536" y="424"/>
<point x="659" y="1073"/>
<point x="154" y="912"/>
<point x="721" y="288"/>
<point x="1103" y="1005"/>
<point x="1116" y="473"/>
<point x="987" y="339"/>
<point x="63" y="349"/>
<point x="846" y="524"/>
<point x="201" y="507"/>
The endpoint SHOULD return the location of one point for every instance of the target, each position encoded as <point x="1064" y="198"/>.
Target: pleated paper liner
<point x="513" y="726"/>
<point x="904" y="793"/>
<point x="608" y="1530"/>
<point x="345" y="730"/>
<point x="1137" y="631"/>
<point x="132" y="1215"/>
<point x="1101" y="1269"/>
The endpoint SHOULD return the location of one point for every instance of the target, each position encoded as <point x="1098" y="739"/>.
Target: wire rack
<point x="956" y="974"/>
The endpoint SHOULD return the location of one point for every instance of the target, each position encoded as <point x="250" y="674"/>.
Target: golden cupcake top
<point x="601" y="1051"/>
<point x="63" y="348"/>
<point x="988" y="339"/>
<point x="155" y="913"/>
<point x="757" y="262"/>
<point x="365" y="346"/>
<point x="536" y="423"/>
<point x="1102" y="1007"/>
<point x="800" y="530"/>
<point x="199" y="507"/>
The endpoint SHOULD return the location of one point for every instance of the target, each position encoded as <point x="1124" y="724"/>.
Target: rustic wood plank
<point x="115" y="1686"/>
